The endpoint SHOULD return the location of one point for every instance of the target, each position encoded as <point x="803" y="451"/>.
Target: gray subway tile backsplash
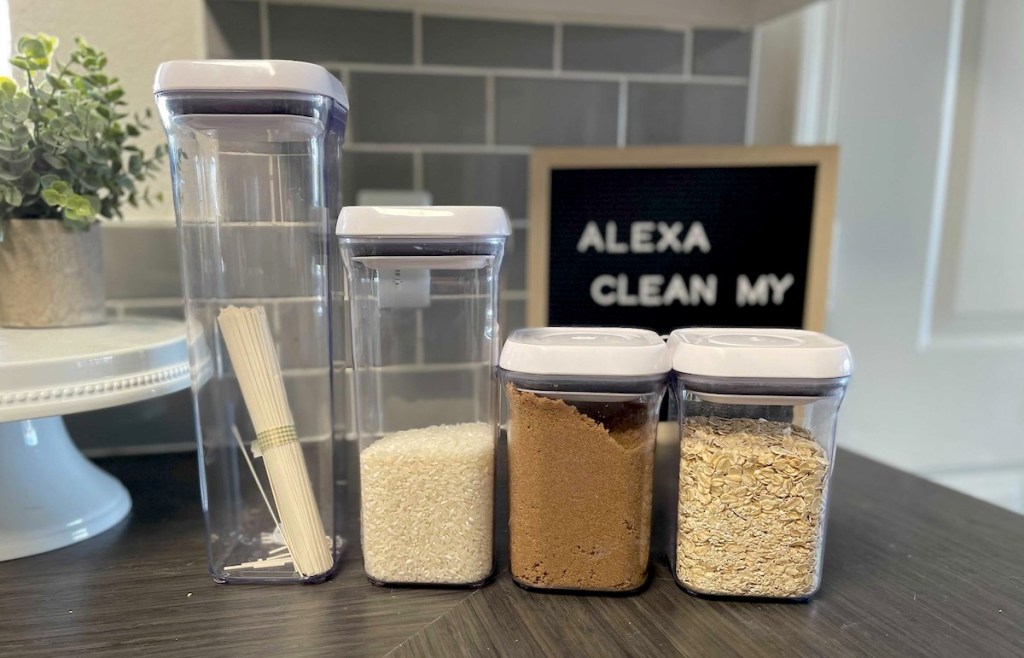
<point x="302" y="328"/>
<point x="448" y="333"/>
<point x="686" y="114"/>
<point x="513" y="316"/>
<point x="483" y="43"/>
<point x="318" y="33"/>
<point x="268" y="261"/>
<point x="375" y="171"/>
<point x="452" y="401"/>
<point x="554" y="112"/>
<point x="721" y="52"/>
<point x="173" y="310"/>
<point x="400" y="323"/>
<point x="309" y="395"/>
<point x="166" y="421"/>
<point x="513" y="268"/>
<point x="342" y="385"/>
<point x="141" y="261"/>
<point x="416" y="108"/>
<point x="622" y="50"/>
<point x="477" y="179"/>
<point x="233" y="29"/>
<point x="398" y="100"/>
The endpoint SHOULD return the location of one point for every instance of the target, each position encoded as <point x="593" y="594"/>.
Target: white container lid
<point x="423" y="221"/>
<point x="758" y="353"/>
<point x="597" y="351"/>
<point x="248" y="75"/>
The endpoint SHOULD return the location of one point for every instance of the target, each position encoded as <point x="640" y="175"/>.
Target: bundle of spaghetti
<point x="251" y="349"/>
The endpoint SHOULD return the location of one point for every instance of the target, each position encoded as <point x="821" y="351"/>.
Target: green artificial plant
<point x="66" y="142"/>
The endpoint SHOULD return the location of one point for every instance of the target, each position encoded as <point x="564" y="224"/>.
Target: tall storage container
<point x="757" y="410"/>
<point x="255" y="150"/>
<point x="427" y="410"/>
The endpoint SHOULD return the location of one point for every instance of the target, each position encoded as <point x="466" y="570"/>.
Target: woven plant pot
<point x="50" y="275"/>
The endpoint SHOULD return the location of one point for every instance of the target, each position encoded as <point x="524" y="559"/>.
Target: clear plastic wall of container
<point x="582" y="425"/>
<point x="427" y="410"/>
<point x="756" y="459"/>
<point x="255" y="174"/>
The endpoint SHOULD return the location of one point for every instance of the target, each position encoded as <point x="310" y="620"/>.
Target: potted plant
<point x="67" y="161"/>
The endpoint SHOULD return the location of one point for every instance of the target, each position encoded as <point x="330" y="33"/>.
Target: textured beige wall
<point x="137" y="35"/>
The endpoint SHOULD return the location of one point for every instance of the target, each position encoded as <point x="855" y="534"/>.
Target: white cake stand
<point x="50" y="494"/>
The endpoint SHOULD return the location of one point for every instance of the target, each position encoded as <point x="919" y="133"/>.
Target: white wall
<point x="795" y="66"/>
<point x="778" y="56"/>
<point x="928" y="114"/>
<point x="990" y="208"/>
<point x="137" y="35"/>
<point x="5" y="37"/>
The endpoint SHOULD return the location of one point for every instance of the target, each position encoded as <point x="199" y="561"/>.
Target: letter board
<point x="666" y="237"/>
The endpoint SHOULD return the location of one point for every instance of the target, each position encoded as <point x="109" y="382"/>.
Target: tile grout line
<point x="417" y="38"/>
<point x="264" y="29"/>
<point x="420" y="355"/>
<point x="483" y="13"/>
<point x="340" y="367"/>
<point x="275" y="319"/>
<point x="418" y="178"/>
<point x="147" y="302"/>
<point x="346" y="82"/>
<point x="465" y="149"/>
<point x="623" y="118"/>
<point x="134" y="449"/>
<point x="490" y="110"/>
<point x="542" y="74"/>
<point x="688" y="40"/>
<point x="754" y="67"/>
<point x="556" y="60"/>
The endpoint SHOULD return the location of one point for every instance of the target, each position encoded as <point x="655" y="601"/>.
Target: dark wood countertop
<point x="911" y="568"/>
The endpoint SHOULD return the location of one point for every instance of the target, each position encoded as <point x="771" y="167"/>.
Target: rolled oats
<point x="751" y="508"/>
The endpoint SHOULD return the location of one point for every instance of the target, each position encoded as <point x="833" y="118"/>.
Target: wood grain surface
<point x="910" y="569"/>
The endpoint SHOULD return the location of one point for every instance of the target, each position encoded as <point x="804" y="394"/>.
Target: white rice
<point x="428" y="505"/>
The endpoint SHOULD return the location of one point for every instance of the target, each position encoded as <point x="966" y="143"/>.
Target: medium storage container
<point x="757" y="411"/>
<point x="255" y="151"/>
<point x="423" y="294"/>
<point x="582" y="424"/>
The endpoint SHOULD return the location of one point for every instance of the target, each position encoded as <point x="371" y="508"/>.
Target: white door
<point x="926" y="100"/>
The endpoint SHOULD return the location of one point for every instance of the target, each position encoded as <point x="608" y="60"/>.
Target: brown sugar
<point x="580" y="478"/>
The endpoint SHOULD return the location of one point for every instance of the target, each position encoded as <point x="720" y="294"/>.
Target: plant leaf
<point x="8" y="87"/>
<point x="32" y="46"/>
<point x="52" y="197"/>
<point x="54" y="160"/>
<point x="65" y="142"/>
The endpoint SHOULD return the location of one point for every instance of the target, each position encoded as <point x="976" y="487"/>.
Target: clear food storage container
<point x="423" y="295"/>
<point x="757" y="410"/>
<point x="582" y="424"/>
<point x="255" y="152"/>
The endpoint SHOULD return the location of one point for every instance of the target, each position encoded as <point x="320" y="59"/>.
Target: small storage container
<point x="255" y="151"/>
<point x="757" y="411"/>
<point x="582" y="424"/>
<point x="423" y="294"/>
